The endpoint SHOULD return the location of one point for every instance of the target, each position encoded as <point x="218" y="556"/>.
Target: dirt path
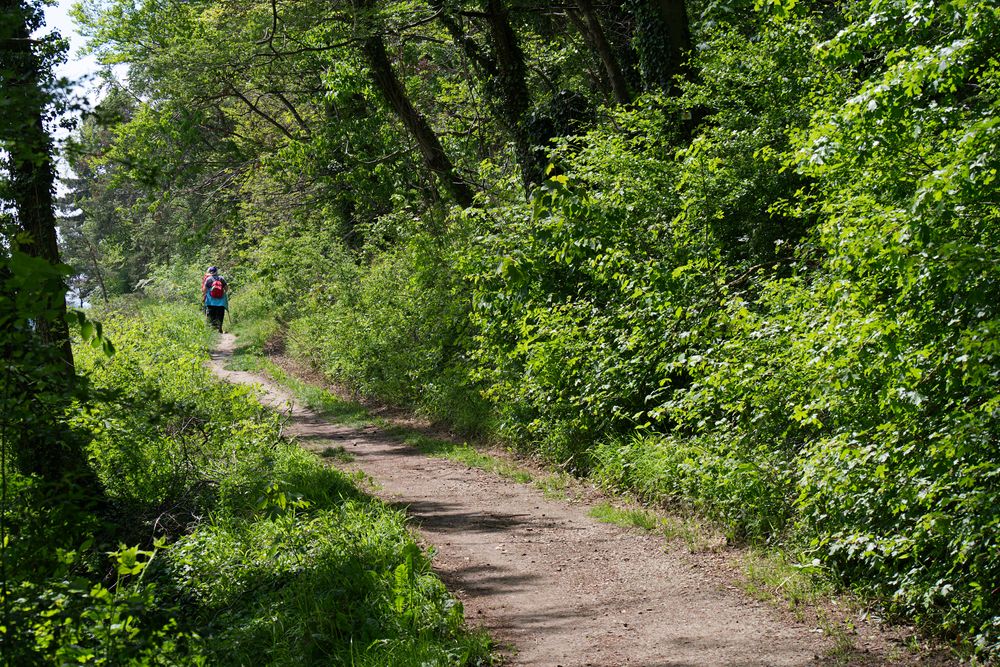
<point x="555" y="586"/>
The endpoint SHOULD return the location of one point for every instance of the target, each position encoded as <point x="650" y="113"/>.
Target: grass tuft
<point x="634" y="518"/>
<point x="337" y="453"/>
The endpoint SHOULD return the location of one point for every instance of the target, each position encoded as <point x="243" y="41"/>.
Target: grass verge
<point x="696" y="536"/>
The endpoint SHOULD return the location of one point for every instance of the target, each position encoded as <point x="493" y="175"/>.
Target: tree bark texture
<point x="503" y="69"/>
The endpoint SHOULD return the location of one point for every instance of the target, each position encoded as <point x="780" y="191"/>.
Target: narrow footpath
<point x="552" y="585"/>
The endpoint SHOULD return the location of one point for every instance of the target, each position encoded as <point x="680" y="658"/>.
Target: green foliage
<point x="37" y="387"/>
<point x="906" y="165"/>
<point x="320" y="582"/>
<point x="395" y="329"/>
<point x="851" y="404"/>
<point x="73" y="619"/>
<point x="262" y="554"/>
<point x="832" y="387"/>
<point x="781" y="314"/>
<point x="195" y="453"/>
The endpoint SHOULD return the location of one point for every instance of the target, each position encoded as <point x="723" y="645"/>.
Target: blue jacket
<point x="223" y="300"/>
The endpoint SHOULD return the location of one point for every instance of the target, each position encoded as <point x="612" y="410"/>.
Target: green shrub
<point x="331" y="582"/>
<point x="166" y="430"/>
<point x="396" y="329"/>
<point x="746" y="492"/>
<point x="808" y="357"/>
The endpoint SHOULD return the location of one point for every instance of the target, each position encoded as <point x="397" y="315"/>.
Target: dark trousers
<point x="215" y="315"/>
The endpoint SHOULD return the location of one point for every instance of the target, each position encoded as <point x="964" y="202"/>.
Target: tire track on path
<point x="551" y="584"/>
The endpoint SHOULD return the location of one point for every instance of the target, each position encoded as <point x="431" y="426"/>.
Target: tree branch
<point x="292" y="110"/>
<point x="253" y="107"/>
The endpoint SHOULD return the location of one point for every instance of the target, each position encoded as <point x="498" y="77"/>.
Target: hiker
<point x="215" y="297"/>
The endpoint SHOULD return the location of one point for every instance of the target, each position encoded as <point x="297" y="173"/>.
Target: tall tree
<point x="503" y="69"/>
<point x="38" y="382"/>
<point x="586" y="18"/>
<point x="514" y="97"/>
<point x="29" y="155"/>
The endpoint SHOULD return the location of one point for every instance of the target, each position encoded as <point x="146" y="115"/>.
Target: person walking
<point x="215" y="297"/>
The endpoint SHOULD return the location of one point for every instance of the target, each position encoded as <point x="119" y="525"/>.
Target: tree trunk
<point x="32" y="175"/>
<point x="504" y="72"/>
<point x="385" y="79"/>
<point x="97" y="267"/>
<point x="595" y="35"/>
<point x="663" y="40"/>
<point x="512" y="97"/>
<point x="480" y="60"/>
<point x="674" y="13"/>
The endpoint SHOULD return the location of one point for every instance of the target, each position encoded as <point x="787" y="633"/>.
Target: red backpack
<point x="216" y="288"/>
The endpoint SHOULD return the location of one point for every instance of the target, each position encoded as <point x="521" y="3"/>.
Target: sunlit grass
<point x="631" y="517"/>
<point x="770" y="576"/>
<point x="337" y="453"/>
<point x="554" y="486"/>
<point x="696" y="536"/>
<point x="463" y="453"/>
<point x="315" y="398"/>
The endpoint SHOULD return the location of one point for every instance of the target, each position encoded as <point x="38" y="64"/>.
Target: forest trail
<point x="552" y="585"/>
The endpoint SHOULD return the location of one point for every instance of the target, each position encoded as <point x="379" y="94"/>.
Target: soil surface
<point x="556" y="587"/>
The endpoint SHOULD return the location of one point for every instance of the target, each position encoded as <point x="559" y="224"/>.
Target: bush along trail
<point x="553" y="585"/>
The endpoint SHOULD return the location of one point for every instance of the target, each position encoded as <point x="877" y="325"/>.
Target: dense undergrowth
<point x="219" y="541"/>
